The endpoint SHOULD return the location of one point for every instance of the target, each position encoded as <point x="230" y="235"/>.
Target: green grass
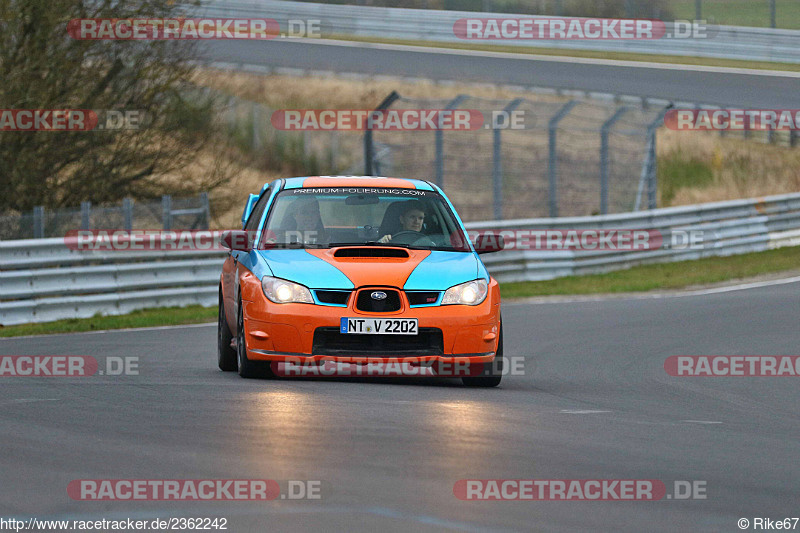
<point x="621" y="56"/>
<point x="676" y="173"/>
<point x="741" y="12"/>
<point x="663" y="275"/>
<point x="166" y="316"/>
<point x="643" y="278"/>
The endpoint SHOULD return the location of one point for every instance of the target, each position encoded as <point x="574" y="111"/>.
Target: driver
<point x="411" y="220"/>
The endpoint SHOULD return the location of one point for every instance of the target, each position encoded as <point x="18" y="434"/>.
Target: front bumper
<point x="286" y="332"/>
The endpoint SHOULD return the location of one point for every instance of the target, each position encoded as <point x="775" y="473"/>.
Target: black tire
<point x="226" y="354"/>
<point x="247" y="368"/>
<point x="492" y="372"/>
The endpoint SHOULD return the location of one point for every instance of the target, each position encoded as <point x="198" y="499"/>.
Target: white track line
<point x="648" y="296"/>
<point x="556" y="59"/>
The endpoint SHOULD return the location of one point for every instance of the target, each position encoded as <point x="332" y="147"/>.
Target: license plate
<point x="379" y="326"/>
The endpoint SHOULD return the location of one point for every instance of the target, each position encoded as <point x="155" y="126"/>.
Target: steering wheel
<point x="412" y="238"/>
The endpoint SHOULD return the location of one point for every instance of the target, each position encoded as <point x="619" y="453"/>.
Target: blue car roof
<point x="369" y="181"/>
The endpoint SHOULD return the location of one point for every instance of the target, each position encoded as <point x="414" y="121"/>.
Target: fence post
<point x="206" y="210"/>
<point x="772" y="14"/>
<point x="552" y="158"/>
<point x="439" y="138"/>
<point x="652" y="178"/>
<point x="698" y="9"/>
<point x="649" y="168"/>
<point x="369" y="148"/>
<point x="127" y="213"/>
<point x="38" y="222"/>
<point x="256" y="114"/>
<point x="231" y="110"/>
<point x="792" y="138"/>
<point x="166" y="212"/>
<point x="86" y="213"/>
<point x="604" y="131"/>
<point x="497" y="161"/>
<point x="333" y="152"/>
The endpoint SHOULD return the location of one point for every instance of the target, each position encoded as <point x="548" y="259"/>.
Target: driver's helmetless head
<point x="412" y="219"/>
<point x="306" y="213"/>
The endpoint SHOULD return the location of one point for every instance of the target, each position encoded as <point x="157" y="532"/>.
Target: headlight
<point x="469" y="293"/>
<point x="281" y="291"/>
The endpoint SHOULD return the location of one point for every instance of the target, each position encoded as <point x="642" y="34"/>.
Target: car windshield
<point x="357" y="216"/>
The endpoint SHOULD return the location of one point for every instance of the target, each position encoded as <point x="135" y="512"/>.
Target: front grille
<point x="366" y="303"/>
<point x="330" y="341"/>
<point x="422" y="297"/>
<point x="333" y="297"/>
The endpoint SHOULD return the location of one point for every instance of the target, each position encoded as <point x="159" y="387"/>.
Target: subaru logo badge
<point x="378" y="295"/>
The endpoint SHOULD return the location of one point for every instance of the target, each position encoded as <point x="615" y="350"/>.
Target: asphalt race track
<point x="595" y="403"/>
<point x="705" y="85"/>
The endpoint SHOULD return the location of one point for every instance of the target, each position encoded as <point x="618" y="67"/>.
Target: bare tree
<point x="43" y="67"/>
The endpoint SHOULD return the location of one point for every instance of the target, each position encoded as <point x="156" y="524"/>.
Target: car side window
<point x="258" y="211"/>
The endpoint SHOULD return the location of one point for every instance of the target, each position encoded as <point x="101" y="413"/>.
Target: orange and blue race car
<point x="357" y="270"/>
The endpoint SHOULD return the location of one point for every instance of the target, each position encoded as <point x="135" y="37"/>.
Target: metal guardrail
<point x="43" y="279"/>
<point x="731" y="42"/>
<point x="728" y="228"/>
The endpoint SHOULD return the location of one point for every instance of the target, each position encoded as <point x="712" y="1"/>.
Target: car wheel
<point x="493" y="372"/>
<point x="248" y="368"/>
<point x="226" y="354"/>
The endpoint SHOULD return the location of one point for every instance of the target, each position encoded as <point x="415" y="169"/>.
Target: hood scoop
<point x="371" y="252"/>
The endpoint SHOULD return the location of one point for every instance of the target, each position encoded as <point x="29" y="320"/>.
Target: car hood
<point x="421" y="270"/>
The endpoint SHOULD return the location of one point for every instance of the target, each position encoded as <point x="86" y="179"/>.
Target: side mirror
<point x="237" y="239"/>
<point x="488" y="242"/>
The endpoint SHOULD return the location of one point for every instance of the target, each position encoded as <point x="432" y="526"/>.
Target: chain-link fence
<point x="305" y="152"/>
<point x="170" y="214"/>
<point x="568" y="158"/>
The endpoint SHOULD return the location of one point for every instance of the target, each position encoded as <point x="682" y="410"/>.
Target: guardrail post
<point x="439" y="138"/>
<point x="86" y="212"/>
<point x="552" y="158"/>
<point x="369" y="147"/>
<point x="127" y="213"/>
<point x="206" y="206"/>
<point x="166" y="212"/>
<point x="604" y="131"/>
<point x="38" y="222"/>
<point x="497" y="161"/>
